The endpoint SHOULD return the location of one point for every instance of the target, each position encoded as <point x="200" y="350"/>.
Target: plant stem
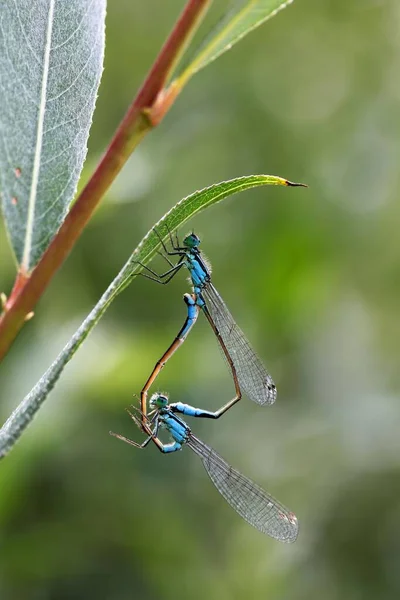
<point x="137" y="122"/>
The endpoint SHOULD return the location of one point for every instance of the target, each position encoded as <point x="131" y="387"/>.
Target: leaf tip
<point x="293" y="184"/>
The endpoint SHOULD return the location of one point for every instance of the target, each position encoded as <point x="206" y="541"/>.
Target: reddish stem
<point x="19" y="284"/>
<point x="136" y="123"/>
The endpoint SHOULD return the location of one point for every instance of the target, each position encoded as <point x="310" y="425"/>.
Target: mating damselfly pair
<point x="252" y="503"/>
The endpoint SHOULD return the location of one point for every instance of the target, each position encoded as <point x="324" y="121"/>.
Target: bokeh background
<point x="313" y="278"/>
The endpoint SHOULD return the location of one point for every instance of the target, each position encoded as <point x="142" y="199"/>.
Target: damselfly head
<point x="191" y="241"/>
<point x="158" y="401"/>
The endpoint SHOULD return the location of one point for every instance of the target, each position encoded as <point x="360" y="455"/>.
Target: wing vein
<point x="249" y="500"/>
<point x="253" y="378"/>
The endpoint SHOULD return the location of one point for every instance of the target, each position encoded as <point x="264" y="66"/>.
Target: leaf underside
<point x="51" y="56"/>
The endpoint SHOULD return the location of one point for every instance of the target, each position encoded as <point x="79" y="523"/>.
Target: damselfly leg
<point x="145" y="424"/>
<point x="178" y="250"/>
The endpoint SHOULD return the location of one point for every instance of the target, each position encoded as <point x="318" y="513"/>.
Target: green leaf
<point x="175" y="218"/>
<point x="245" y="16"/>
<point x="51" y="56"/>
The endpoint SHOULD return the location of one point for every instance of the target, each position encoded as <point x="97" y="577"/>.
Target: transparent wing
<point x="253" y="378"/>
<point x="251" y="502"/>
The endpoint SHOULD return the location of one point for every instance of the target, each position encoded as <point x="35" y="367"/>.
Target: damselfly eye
<point x="191" y="241"/>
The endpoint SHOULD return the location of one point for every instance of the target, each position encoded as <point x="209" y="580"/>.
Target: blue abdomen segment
<point x="190" y="411"/>
<point x="199" y="298"/>
<point x="173" y="447"/>
<point x="191" y="315"/>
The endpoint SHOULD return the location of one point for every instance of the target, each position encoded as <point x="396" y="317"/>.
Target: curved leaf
<point x="51" y="55"/>
<point x="175" y="218"/>
<point x="245" y="16"/>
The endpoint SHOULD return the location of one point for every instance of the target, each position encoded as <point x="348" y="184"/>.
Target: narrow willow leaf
<point x="245" y="16"/>
<point x="175" y="218"/>
<point x="51" y="56"/>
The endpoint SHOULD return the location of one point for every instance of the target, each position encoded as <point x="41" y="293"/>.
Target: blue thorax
<point x="199" y="272"/>
<point x="178" y="429"/>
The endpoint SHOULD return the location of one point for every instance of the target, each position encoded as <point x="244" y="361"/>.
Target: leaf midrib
<point x="38" y="147"/>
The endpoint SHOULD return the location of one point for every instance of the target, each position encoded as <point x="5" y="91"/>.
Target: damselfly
<point x="252" y="376"/>
<point x="192" y="313"/>
<point x="251" y="502"/>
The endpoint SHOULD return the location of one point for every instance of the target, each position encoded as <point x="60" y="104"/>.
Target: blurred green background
<point x="313" y="278"/>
